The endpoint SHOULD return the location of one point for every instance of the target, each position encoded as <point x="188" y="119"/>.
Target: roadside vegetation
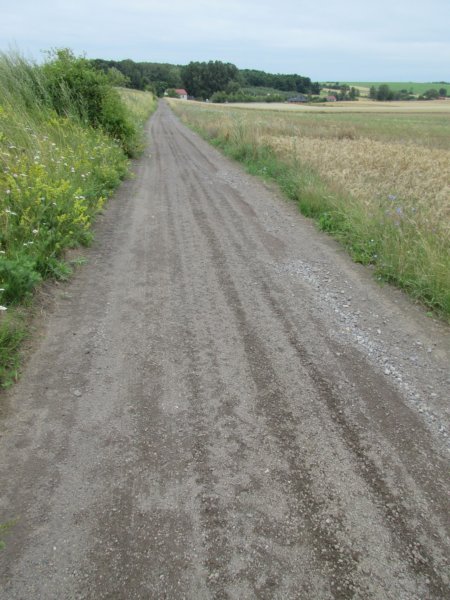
<point x="66" y="137"/>
<point x="378" y="183"/>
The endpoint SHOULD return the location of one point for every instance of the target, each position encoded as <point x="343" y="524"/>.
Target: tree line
<point x="385" y="93"/>
<point x="200" y="79"/>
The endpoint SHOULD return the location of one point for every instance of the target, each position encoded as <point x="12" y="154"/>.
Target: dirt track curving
<point x="221" y="405"/>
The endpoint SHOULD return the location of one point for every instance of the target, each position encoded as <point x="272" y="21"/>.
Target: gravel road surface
<point x="221" y="405"/>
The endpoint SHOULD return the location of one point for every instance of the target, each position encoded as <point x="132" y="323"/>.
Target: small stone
<point x="77" y="393"/>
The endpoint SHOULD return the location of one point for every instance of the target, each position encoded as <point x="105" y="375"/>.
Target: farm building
<point x="182" y="94"/>
<point x="299" y="98"/>
<point x="331" y="99"/>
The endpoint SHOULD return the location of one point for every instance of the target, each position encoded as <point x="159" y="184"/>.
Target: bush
<point x="18" y="277"/>
<point x="76" y="89"/>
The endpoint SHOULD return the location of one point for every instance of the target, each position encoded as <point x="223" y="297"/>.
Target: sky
<point x="346" y="40"/>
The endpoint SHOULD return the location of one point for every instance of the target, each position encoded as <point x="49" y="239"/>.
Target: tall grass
<point x="58" y="165"/>
<point x="386" y="200"/>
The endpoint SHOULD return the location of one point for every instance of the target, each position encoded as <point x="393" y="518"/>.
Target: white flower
<point x="35" y="231"/>
<point x="3" y="308"/>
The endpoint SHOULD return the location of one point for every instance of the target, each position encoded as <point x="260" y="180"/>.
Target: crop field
<point x="377" y="181"/>
<point x="360" y="106"/>
<point x="417" y="88"/>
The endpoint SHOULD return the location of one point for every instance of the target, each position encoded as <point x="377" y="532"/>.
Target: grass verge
<point x="65" y="140"/>
<point x="385" y="201"/>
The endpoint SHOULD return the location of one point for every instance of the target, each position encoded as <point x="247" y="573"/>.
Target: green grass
<point x="4" y="530"/>
<point x="57" y="169"/>
<point x="12" y="333"/>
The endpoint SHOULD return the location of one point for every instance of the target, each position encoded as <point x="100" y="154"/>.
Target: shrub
<point x="18" y="277"/>
<point x="76" y="89"/>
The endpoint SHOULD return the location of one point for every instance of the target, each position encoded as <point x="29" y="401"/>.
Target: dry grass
<point x="380" y="182"/>
<point x="140" y="104"/>
<point x="403" y="179"/>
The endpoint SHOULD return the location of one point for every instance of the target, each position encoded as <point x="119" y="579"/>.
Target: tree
<point x="442" y="92"/>
<point x="431" y="94"/>
<point x="116" y="78"/>
<point x="202" y="79"/>
<point x="384" y="92"/>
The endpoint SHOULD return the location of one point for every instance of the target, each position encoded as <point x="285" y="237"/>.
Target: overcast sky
<point x="353" y="40"/>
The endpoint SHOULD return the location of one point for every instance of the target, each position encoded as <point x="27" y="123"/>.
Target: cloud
<point x="264" y="34"/>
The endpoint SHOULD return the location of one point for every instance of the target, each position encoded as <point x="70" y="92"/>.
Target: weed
<point x="12" y="333"/>
<point x="64" y="139"/>
<point x="4" y="529"/>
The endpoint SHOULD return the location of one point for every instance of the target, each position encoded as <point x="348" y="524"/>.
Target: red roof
<point x="181" y="92"/>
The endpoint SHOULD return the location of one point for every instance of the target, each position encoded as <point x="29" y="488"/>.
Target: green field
<point x="415" y="87"/>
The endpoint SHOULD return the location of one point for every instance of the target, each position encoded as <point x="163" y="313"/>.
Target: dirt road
<point x="221" y="405"/>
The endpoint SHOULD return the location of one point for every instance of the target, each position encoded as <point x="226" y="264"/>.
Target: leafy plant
<point x="59" y="162"/>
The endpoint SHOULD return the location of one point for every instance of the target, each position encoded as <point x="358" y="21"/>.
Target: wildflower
<point x="35" y="231"/>
<point x="3" y="308"/>
<point x="399" y="210"/>
<point x="8" y="191"/>
<point x="392" y="197"/>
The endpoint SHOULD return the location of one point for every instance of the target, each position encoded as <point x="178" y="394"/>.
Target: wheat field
<point x="379" y="181"/>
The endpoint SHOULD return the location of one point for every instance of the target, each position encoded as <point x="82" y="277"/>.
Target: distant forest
<point x="200" y="79"/>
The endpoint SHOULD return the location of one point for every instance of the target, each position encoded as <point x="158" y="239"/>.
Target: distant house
<point x="297" y="99"/>
<point x="182" y="94"/>
<point x="331" y="99"/>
